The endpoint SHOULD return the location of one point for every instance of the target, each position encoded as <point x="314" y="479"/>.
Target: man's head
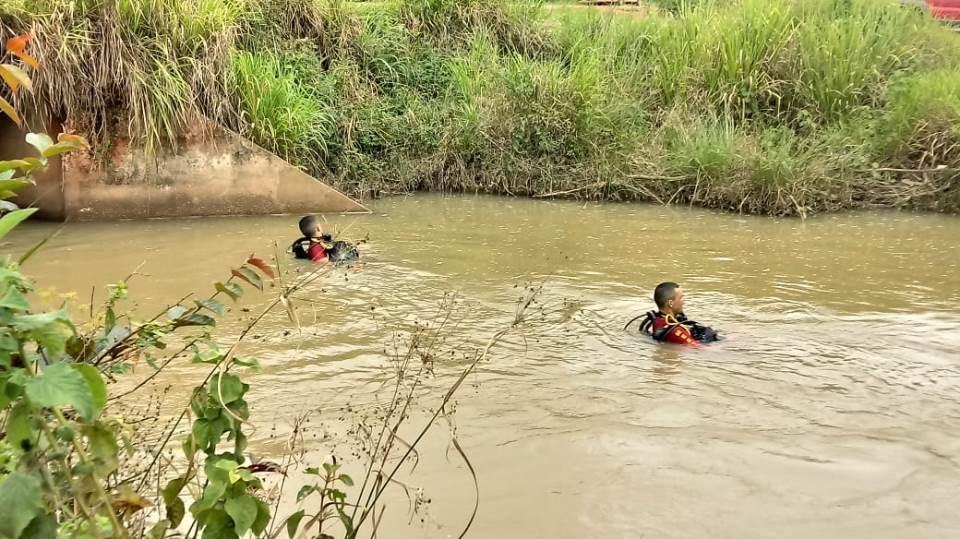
<point x="310" y="226"/>
<point x="669" y="298"/>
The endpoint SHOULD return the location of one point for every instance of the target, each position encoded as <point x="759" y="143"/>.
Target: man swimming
<point x="669" y="324"/>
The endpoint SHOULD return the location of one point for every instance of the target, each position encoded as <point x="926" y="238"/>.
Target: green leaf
<point x="211" y="495"/>
<point x="61" y="147"/>
<point x="14" y="299"/>
<point x="219" y="526"/>
<point x="244" y="272"/>
<point x="7" y="184"/>
<point x="346" y="480"/>
<point x="59" y="385"/>
<point x="16" y="164"/>
<point x="231" y="289"/>
<point x="50" y="330"/>
<point x="240" y="443"/>
<point x="19" y="432"/>
<point x="263" y="518"/>
<point x="40" y="141"/>
<point x="20" y="502"/>
<point x="15" y="77"/>
<point x="159" y="530"/>
<point x="103" y="446"/>
<point x="42" y="527"/>
<point x="172" y="501"/>
<point x="243" y="511"/>
<point x="226" y="388"/>
<point x="305" y="491"/>
<point x="207" y="356"/>
<point x="293" y="522"/>
<point x="172" y="490"/>
<point x="202" y="434"/>
<point x="98" y="389"/>
<point x="7" y="108"/>
<point x="176" y="510"/>
<point x="195" y="320"/>
<point x="211" y="305"/>
<point x="9" y="221"/>
<point x="244" y="361"/>
<point x="120" y="368"/>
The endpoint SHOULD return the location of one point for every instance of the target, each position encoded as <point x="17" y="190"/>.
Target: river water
<point x="831" y="409"/>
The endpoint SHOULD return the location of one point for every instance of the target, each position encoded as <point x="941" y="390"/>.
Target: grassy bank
<point x="779" y="107"/>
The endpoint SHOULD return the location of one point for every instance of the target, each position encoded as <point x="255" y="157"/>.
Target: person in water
<point x="319" y="247"/>
<point x="669" y="324"/>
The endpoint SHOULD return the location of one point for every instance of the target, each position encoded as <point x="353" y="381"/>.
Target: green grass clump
<point x="768" y="106"/>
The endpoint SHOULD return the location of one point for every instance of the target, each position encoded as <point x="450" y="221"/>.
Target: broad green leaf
<point x="293" y="522"/>
<point x="173" y="489"/>
<point x="7" y="108"/>
<point x="14" y="299"/>
<point x="15" y="77"/>
<point x="244" y="272"/>
<point x="4" y="398"/>
<point x="15" y="164"/>
<point x="176" y="510"/>
<point x="305" y="491"/>
<point x="195" y="320"/>
<point x="219" y="526"/>
<point x="6" y="175"/>
<point x="207" y="356"/>
<point x="9" y="221"/>
<point x="59" y="148"/>
<point x="42" y="527"/>
<point x="18" y="429"/>
<point x="211" y="495"/>
<point x="243" y="511"/>
<point x="244" y="361"/>
<point x="40" y="141"/>
<point x="226" y="388"/>
<point x="103" y="446"/>
<point x="60" y="385"/>
<point x="346" y="480"/>
<point x="201" y="434"/>
<point x="231" y="289"/>
<point x="263" y="518"/>
<point x="20" y="502"/>
<point x="240" y="444"/>
<point x="51" y="330"/>
<point x="172" y="501"/>
<point x="98" y="389"/>
<point x="159" y="530"/>
<point x="211" y="305"/>
<point x="6" y="184"/>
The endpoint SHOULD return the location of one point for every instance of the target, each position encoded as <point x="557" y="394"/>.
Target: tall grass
<point x="776" y="106"/>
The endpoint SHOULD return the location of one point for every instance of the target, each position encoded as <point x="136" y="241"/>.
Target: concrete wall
<point x="223" y="174"/>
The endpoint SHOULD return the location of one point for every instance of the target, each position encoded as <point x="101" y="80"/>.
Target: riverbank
<point x="782" y="107"/>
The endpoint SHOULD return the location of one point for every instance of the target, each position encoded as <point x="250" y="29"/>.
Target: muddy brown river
<point x="830" y="410"/>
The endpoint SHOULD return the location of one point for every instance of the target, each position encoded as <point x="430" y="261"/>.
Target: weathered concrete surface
<point x="222" y="174"/>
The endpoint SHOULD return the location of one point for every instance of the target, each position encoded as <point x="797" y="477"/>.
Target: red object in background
<point x="945" y="9"/>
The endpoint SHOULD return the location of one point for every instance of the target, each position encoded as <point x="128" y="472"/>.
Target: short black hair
<point x="663" y="293"/>
<point x="308" y="225"/>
